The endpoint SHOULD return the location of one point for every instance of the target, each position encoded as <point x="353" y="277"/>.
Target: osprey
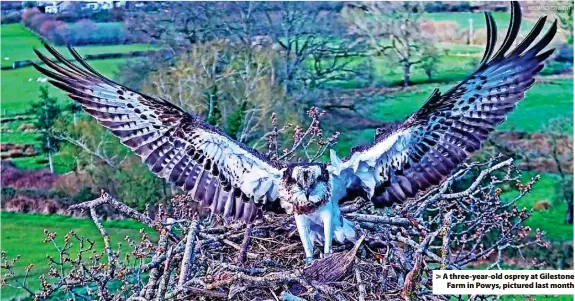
<point x="238" y="182"/>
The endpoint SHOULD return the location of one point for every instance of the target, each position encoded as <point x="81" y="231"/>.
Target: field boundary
<point x="89" y="57"/>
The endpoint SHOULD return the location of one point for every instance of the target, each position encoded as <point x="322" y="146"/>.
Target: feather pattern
<point x="224" y="175"/>
<point x="429" y="144"/>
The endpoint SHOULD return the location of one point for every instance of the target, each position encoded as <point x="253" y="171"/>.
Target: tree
<point x="75" y="109"/>
<point x="394" y="29"/>
<point x="312" y="55"/>
<point x="566" y="18"/>
<point x="561" y="152"/>
<point x="46" y="112"/>
<point x="429" y="61"/>
<point x="230" y="85"/>
<point x="177" y="25"/>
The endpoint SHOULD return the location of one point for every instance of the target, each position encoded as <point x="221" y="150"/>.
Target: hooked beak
<point x="307" y="193"/>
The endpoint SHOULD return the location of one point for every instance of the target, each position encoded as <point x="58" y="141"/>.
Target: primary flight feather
<point x="238" y="182"/>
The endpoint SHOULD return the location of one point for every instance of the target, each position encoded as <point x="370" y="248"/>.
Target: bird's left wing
<point x="224" y="175"/>
<point x="427" y="146"/>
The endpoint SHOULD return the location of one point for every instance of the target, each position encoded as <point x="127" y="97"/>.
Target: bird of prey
<point x="238" y="182"/>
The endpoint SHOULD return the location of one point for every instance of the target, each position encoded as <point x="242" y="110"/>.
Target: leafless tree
<point x="177" y="24"/>
<point x="394" y="29"/>
<point x="307" y="58"/>
<point x="312" y="54"/>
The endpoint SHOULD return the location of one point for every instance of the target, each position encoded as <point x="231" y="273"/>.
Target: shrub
<point x="82" y="32"/>
<point x="444" y="31"/>
<point x="564" y="54"/>
<point x="19" y="178"/>
<point x="13" y="17"/>
<point x="8" y="193"/>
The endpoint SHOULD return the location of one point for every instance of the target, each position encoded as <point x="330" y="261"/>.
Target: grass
<point x="462" y="19"/>
<point x="63" y="162"/>
<point x="551" y="220"/>
<point x="546" y="99"/>
<point x="18" y="44"/>
<point x="20" y="88"/>
<point x="20" y="138"/>
<point x="22" y="234"/>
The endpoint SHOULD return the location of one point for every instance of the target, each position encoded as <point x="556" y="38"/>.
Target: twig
<point x="245" y="244"/>
<point x="398" y="221"/>
<point x="360" y="285"/>
<point x="107" y="245"/>
<point x="106" y="198"/>
<point x="188" y="259"/>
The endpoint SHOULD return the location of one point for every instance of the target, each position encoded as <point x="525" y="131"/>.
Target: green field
<point x="20" y="88"/>
<point x="545" y="100"/>
<point x="22" y="234"/>
<point x="18" y="44"/>
<point x="551" y="220"/>
<point x="462" y="19"/>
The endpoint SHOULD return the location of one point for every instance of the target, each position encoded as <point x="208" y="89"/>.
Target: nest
<point x="198" y="258"/>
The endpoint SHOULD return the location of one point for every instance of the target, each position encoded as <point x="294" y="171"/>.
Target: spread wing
<point x="222" y="174"/>
<point x="429" y="144"/>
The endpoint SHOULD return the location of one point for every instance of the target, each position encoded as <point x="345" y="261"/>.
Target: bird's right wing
<point x="224" y="175"/>
<point x="420" y="152"/>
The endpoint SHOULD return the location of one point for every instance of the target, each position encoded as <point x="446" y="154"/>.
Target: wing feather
<point x="174" y="144"/>
<point x="429" y="144"/>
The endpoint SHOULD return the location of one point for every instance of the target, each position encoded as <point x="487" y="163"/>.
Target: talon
<point x="308" y="260"/>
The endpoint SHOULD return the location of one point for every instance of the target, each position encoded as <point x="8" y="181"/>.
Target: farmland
<point x="18" y="44"/>
<point x="20" y="87"/>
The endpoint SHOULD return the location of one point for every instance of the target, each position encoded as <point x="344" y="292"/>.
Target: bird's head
<point x="305" y="186"/>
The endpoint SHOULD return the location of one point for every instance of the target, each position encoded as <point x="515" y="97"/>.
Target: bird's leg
<point x="326" y="215"/>
<point x="303" y="227"/>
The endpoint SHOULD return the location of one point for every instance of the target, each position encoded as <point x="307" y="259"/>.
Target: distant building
<point x="103" y="5"/>
<point x="55" y="7"/>
<point x="51" y="7"/>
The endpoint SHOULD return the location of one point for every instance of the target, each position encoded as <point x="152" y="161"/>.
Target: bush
<point x="82" y="32"/>
<point x="564" y="54"/>
<point x="8" y="193"/>
<point x="444" y="31"/>
<point x="13" y="17"/>
<point x="21" y="178"/>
